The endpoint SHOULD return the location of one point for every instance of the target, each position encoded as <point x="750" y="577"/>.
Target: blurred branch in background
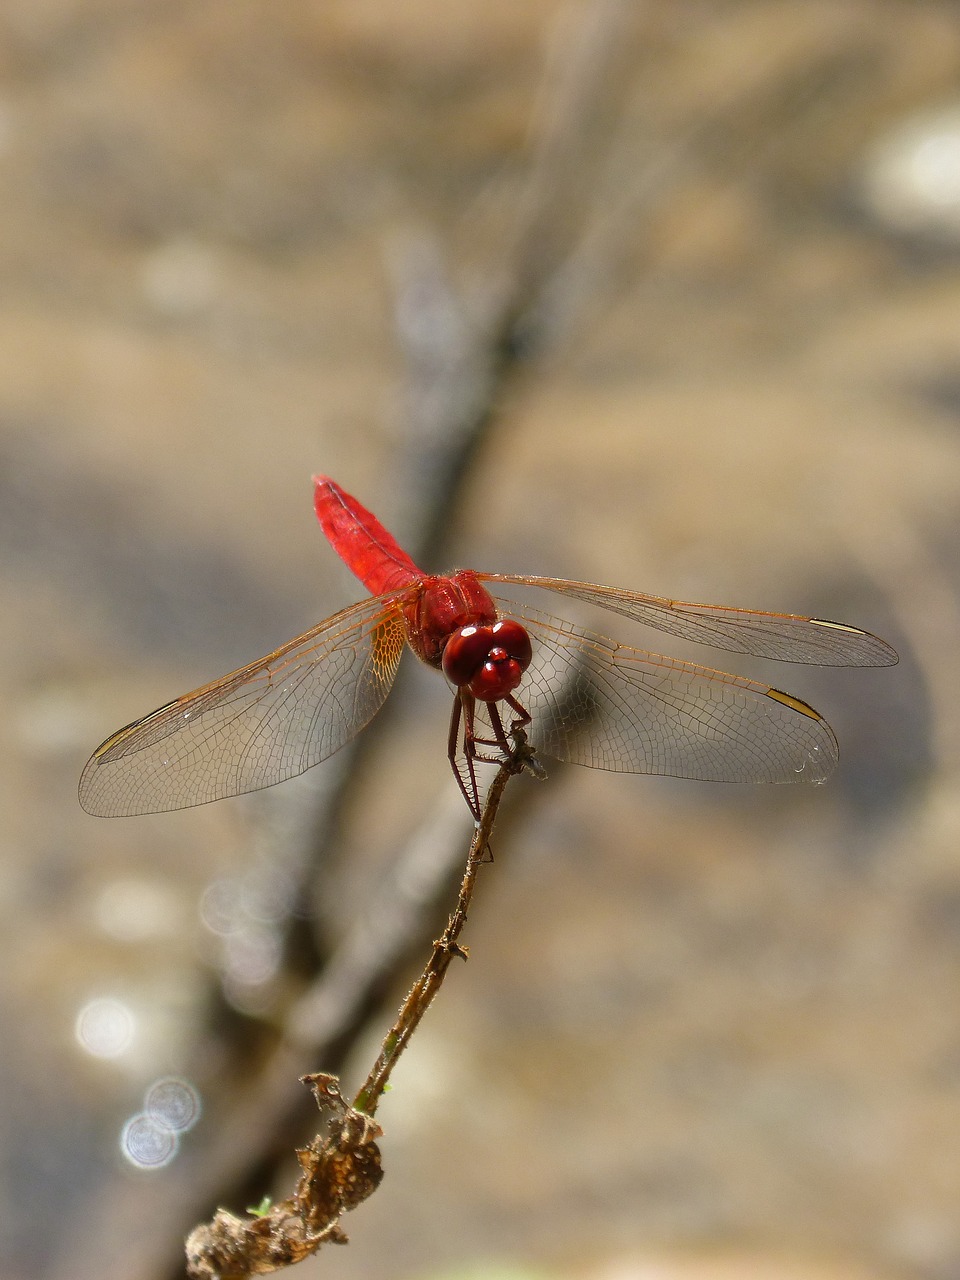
<point x="463" y="353"/>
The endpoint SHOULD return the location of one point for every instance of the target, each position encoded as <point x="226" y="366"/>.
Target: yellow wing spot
<point x="112" y="741"/>
<point x="797" y="704"/>
<point x="121" y="735"/>
<point x="387" y="641"/>
<point x="837" y="626"/>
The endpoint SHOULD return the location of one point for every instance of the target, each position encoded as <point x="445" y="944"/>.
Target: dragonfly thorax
<point x="488" y="660"/>
<point x="439" y="606"/>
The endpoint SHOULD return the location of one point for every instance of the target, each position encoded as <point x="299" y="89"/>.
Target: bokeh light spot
<point x="221" y="905"/>
<point x="173" y="1103"/>
<point x="105" y="1027"/>
<point x="147" y="1144"/>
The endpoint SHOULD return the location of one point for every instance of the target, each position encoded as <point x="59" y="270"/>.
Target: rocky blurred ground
<point x="696" y="1019"/>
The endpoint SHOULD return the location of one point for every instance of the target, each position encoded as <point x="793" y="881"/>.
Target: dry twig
<point x="341" y="1169"/>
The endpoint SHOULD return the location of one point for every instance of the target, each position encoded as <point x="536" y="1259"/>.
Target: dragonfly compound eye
<point x="465" y="653"/>
<point x="513" y="637"/>
<point x="504" y="664"/>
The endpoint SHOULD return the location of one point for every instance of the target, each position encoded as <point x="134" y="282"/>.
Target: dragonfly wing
<point x="266" y="722"/>
<point x="788" y="637"/>
<point x="596" y="702"/>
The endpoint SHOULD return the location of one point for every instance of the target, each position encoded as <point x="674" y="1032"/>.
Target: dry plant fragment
<point x="339" y="1171"/>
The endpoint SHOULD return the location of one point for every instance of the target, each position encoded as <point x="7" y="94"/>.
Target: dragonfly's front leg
<point x="520" y="748"/>
<point x="501" y="739"/>
<point x="522" y="715"/>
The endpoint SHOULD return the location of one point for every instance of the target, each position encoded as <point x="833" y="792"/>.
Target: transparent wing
<point x="599" y="703"/>
<point x="786" y="636"/>
<point x="268" y="721"/>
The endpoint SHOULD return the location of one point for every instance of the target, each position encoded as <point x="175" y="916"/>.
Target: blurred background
<point x="658" y="295"/>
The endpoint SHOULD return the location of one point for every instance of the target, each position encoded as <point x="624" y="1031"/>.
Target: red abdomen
<point x="361" y="541"/>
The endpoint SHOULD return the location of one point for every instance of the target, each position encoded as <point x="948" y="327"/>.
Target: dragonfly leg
<point x="464" y="713"/>
<point x="521" y="747"/>
<point x="499" y="732"/>
<point x="463" y="705"/>
<point x="523" y="716"/>
<point x="505" y="742"/>
<point x="501" y="738"/>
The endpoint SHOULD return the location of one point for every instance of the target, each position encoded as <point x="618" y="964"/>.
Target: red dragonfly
<point x="578" y="696"/>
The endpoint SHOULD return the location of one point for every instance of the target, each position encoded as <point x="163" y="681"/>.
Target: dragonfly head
<point x="488" y="660"/>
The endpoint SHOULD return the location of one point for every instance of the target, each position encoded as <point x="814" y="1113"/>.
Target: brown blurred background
<point x="660" y="295"/>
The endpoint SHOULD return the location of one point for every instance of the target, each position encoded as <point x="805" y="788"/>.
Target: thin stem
<point x="446" y="947"/>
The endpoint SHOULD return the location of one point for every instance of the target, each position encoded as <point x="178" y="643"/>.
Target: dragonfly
<point x="514" y="669"/>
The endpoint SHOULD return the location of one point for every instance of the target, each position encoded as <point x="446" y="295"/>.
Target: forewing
<point x="599" y="703"/>
<point x="266" y="722"/>
<point x="786" y="636"/>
